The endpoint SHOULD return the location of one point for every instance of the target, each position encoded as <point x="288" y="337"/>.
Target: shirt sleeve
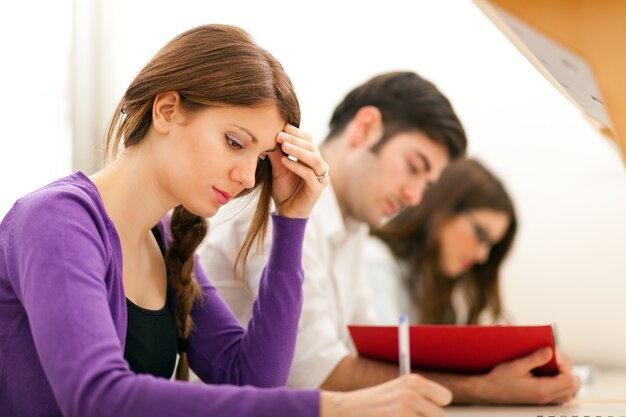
<point x="58" y="263"/>
<point x="222" y="351"/>
<point x="364" y="311"/>
<point x="384" y="278"/>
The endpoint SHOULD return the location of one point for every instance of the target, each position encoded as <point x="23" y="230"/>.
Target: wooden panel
<point x="595" y="30"/>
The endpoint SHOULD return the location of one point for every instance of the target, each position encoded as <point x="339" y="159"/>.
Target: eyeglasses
<point x="481" y="234"/>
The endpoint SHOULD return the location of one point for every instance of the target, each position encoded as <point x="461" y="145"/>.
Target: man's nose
<point x="412" y="193"/>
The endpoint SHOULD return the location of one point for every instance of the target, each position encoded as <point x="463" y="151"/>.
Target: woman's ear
<point x="165" y="111"/>
<point x="367" y="127"/>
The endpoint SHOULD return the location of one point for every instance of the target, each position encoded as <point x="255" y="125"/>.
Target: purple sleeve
<point x="222" y="351"/>
<point x="59" y="264"/>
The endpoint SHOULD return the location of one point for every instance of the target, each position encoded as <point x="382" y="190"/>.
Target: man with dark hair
<point x="389" y="139"/>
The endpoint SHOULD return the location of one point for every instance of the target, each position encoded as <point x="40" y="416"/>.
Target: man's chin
<point x="386" y="218"/>
<point x="382" y="221"/>
<point x="373" y="220"/>
<point x="379" y="221"/>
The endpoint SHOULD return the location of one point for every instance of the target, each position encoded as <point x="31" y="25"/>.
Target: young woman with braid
<point x="100" y="289"/>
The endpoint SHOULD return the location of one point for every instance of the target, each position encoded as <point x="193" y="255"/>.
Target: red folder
<point x="457" y="349"/>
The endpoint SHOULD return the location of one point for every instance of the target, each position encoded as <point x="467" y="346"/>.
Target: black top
<point x="151" y="340"/>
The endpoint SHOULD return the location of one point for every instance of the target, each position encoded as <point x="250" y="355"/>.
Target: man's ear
<point x="165" y="111"/>
<point x="367" y="127"/>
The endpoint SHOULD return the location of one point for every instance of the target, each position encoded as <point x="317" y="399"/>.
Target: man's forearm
<point x="508" y="383"/>
<point x="355" y="372"/>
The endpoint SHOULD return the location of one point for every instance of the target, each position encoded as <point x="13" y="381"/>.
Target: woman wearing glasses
<point x="440" y="261"/>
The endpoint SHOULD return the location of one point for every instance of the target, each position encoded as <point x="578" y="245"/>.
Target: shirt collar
<point x="333" y="224"/>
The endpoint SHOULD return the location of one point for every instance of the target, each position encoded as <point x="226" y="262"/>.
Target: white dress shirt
<point x="336" y="291"/>
<point x="387" y="280"/>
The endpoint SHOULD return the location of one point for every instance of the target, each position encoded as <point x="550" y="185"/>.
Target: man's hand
<point x="513" y="383"/>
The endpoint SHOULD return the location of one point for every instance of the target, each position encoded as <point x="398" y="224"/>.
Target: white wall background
<point x="568" y="264"/>
<point x="35" y="134"/>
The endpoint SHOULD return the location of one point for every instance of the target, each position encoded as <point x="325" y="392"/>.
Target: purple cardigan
<point x="63" y="322"/>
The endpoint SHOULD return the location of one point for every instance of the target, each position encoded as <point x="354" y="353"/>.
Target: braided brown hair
<point x="211" y="65"/>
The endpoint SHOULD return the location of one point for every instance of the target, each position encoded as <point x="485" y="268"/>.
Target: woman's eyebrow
<point x="254" y="139"/>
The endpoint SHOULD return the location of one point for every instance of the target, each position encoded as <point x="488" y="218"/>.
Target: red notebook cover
<point x="456" y="349"/>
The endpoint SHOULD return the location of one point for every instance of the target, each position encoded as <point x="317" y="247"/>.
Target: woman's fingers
<point x="427" y="408"/>
<point x="298" y="144"/>
<point x="302" y="176"/>
<point x="292" y="130"/>
<point x="305" y="143"/>
<point x="438" y="394"/>
<point x="303" y="171"/>
<point x="312" y="160"/>
<point x="434" y="392"/>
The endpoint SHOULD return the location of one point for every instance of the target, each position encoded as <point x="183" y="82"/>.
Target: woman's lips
<point x="222" y="196"/>
<point x="466" y="265"/>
